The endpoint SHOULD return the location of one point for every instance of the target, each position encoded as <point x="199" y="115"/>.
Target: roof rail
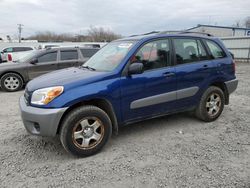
<point x="150" y="33"/>
<point x="176" y="32"/>
<point x="190" y="32"/>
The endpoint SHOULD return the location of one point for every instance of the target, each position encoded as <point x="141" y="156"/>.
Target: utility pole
<point x="20" y="32"/>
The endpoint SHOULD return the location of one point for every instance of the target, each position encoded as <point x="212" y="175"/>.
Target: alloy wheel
<point x="88" y="133"/>
<point x="11" y="82"/>
<point x="213" y="104"/>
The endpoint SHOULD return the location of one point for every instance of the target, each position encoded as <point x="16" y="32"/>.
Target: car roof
<point x="19" y="47"/>
<point x="161" y="35"/>
<point x="68" y="47"/>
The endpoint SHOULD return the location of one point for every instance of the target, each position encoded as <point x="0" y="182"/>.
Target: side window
<point x="48" y="57"/>
<point x="189" y="50"/>
<point x="8" y="50"/>
<point x="154" y="55"/>
<point x="69" y="55"/>
<point x="88" y="52"/>
<point x="216" y="51"/>
<point x="22" y="49"/>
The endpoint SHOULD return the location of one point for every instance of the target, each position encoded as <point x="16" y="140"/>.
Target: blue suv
<point x="129" y="80"/>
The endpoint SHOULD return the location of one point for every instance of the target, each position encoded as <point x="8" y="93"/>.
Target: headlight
<point x="46" y="95"/>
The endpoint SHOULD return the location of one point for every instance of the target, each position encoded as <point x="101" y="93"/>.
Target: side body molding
<point x="165" y="97"/>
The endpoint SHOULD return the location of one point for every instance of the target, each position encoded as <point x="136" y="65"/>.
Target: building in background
<point x="221" y="31"/>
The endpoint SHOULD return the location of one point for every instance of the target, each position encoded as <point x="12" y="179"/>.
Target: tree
<point x="247" y="22"/>
<point x="99" y="34"/>
<point x="48" y="36"/>
<point x="94" y="34"/>
<point x="237" y="23"/>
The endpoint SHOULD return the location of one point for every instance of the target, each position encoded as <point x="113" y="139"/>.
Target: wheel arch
<point x="15" y="72"/>
<point x="12" y="72"/>
<point x="223" y="87"/>
<point x="101" y="103"/>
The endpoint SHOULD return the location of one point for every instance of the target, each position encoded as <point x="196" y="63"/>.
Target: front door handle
<point x="168" y="74"/>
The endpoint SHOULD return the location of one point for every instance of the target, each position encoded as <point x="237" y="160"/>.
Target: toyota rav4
<point x="129" y="80"/>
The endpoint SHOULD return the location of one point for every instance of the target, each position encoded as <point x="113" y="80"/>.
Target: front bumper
<point x="231" y="85"/>
<point x="40" y="121"/>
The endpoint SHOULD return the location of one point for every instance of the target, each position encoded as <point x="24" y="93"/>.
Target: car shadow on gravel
<point x="160" y="123"/>
<point x="42" y="148"/>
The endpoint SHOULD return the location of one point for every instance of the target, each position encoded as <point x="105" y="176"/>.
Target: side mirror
<point x="135" y="68"/>
<point x="34" y="61"/>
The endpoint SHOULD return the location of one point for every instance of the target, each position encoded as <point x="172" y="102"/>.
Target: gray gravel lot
<point x="173" y="151"/>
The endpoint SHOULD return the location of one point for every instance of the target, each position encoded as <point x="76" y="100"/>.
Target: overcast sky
<point x="125" y="17"/>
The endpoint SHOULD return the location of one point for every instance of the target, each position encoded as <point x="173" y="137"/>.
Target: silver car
<point x="14" y="75"/>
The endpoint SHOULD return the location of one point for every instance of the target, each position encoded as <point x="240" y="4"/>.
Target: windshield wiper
<point x="88" y="67"/>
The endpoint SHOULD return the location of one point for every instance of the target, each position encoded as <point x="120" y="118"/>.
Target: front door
<point x="152" y="92"/>
<point x="46" y="62"/>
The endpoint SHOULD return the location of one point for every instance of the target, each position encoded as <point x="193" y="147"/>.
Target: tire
<point x="85" y="131"/>
<point x="211" y="104"/>
<point x="11" y="82"/>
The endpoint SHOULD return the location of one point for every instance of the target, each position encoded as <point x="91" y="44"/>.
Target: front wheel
<point x="211" y="104"/>
<point x="85" y="131"/>
<point x="11" y="82"/>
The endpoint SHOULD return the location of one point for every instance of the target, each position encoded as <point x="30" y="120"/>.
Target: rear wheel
<point x="211" y="104"/>
<point x="11" y="82"/>
<point x="85" y="131"/>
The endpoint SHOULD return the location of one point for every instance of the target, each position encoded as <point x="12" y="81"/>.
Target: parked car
<point x="14" y="75"/>
<point x="13" y="53"/>
<point x="1" y="61"/>
<point x="129" y="80"/>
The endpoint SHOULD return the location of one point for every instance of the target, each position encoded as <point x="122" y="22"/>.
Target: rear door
<point x="68" y="58"/>
<point x="46" y="62"/>
<point x="193" y="69"/>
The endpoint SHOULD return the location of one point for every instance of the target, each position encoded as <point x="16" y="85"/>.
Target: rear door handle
<point x="168" y="74"/>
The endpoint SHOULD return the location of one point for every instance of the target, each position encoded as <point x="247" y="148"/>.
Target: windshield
<point x="27" y="56"/>
<point x="110" y="56"/>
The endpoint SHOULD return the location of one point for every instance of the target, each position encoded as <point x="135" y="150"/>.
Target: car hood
<point x="65" y="77"/>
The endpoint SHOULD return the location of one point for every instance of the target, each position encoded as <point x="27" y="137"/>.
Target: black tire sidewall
<point x="73" y="118"/>
<point x="13" y="75"/>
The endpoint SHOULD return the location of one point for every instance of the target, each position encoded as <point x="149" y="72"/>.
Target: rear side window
<point x="215" y="50"/>
<point x="189" y="50"/>
<point x="88" y="52"/>
<point x="48" y="57"/>
<point x="69" y="55"/>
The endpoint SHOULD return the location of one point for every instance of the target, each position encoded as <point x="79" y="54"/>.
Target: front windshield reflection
<point x="110" y="56"/>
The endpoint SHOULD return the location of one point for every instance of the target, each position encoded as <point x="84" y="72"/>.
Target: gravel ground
<point x="173" y="151"/>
